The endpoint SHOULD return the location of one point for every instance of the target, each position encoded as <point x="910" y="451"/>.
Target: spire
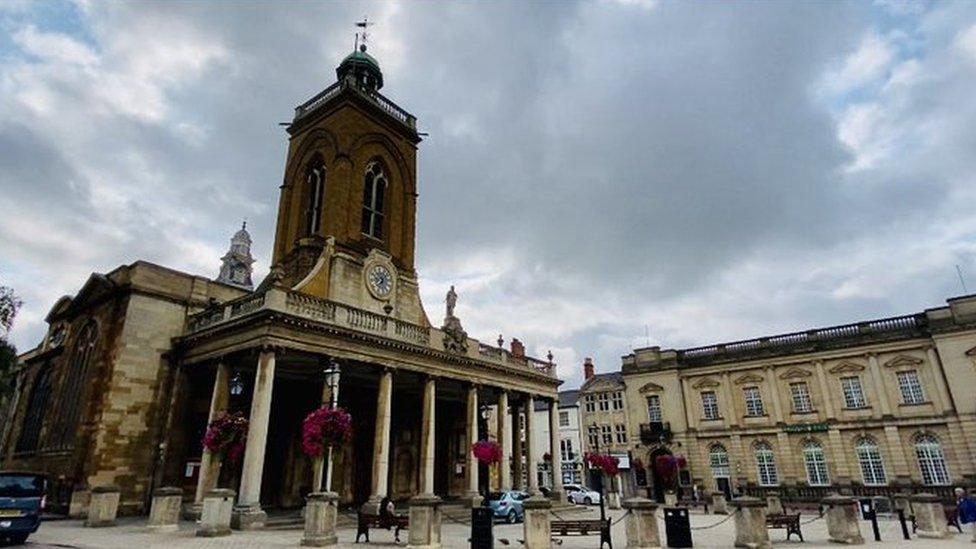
<point x="236" y="265"/>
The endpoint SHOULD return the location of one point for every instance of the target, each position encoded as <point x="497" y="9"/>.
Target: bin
<point x="677" y="526"/>
<point x="482" y="519"/>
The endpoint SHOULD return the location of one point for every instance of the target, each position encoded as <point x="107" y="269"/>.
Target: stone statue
<point x="451" y="300"/>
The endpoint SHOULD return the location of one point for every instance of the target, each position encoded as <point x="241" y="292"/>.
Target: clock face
<point x="380" y="280"/>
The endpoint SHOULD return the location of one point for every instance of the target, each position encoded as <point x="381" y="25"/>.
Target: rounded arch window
<point x="872" y="465"/>
<point x="815" y="464"/>
<point x="314" y="194"/>
<point x="75" y="381"/>
<point x="375" y="182"/>
<point x="931" y="460"/>
<point x="766" y="464"/>
<point x="718" y="460"/>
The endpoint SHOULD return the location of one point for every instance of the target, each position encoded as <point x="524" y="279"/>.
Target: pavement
<point x="707" y="531"/>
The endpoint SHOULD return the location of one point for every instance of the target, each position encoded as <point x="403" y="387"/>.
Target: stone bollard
<point x="215" y="517"/>
<point x="842" y="517"/>
<point x="640" y="523"/>
<point x="750" y="523"/>
<point x="719" y="505"/>
<point x="536" y="528"/>
<point x="320" y="519"/>
<point x="670" y="499"/>
<point x="78" y="505"/>
<point x="774" y="505"/>
<point x="164" y="514"/>
<point x="425" y="522"/>
<point x="613" y="500"/>
<point x="929" y="516"/>
<point x="103" y="506"/>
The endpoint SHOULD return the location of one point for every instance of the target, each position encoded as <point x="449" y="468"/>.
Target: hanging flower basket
<point x="667" y="467"/>
<point x="226" y="435"/>
<point x="609" y="465"/>
<point x="323" y="428"/>
<point x="487" y="452"/>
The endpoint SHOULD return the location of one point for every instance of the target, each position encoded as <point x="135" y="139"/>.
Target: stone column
<point x="248" y="514"/>
<point x="536" y="527"/>
<point x="750" y="523"/>
<point x="381" y="444"/>
<point x="531" y="459"/>
<point x="216" y="516"/>
<point x="425" y="511"/>
<point x="164" y="514"/>
<point x="558" y="494"/>
<point x="210" y="463"/>
<point x="103" y="506"/>
<point x="517" y="447"/>
<point x="505" y="440"/>
<point x="929" y="516"/>
<point x="641" y="524"/>
<point x="320" y="519"/>
<point x="471" y="464"/>
<point x="842" y="516"/>
<point x="719" y="505"/>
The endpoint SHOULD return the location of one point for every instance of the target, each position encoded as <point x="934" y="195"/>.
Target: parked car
<point x="508" y="505"/>
<point x="583" y="496"/>
<point x="21" y="501"/>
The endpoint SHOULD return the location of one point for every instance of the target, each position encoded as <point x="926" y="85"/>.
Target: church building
<point x="139" y="361"/>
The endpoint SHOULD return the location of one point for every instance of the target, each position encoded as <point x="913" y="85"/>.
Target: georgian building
<point x="141" y="359"/>
<point x="874" y="406"/>
<point x="604" y="419"/>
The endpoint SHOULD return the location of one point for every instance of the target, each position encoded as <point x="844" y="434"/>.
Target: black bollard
<point x="868" y="513"/>
<point x="904" y="525"/>
<point x="482" y="519"/>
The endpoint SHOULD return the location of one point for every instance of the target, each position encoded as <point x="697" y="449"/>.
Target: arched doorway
<point x="656" y="487"/>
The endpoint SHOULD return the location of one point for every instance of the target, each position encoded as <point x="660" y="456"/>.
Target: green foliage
<point x="9" y="304"/>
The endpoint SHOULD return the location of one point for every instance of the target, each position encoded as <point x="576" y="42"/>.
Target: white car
<point x="581" y="495"/>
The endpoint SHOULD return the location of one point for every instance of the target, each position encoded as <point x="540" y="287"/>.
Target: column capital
<point x="275" y="348"/>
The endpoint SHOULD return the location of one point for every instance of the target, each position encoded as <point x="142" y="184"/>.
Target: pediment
<point x="749" y="378"/>
<point x="795" y="373"/>
<point x="651" y="387"/>
<point x="601" y="385"/>
<point x="903" y="360"/>
<point x="847" y="368"/>
<point x="704" y="383"/>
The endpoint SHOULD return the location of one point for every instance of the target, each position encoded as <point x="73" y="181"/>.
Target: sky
<point x="598" y="176"/>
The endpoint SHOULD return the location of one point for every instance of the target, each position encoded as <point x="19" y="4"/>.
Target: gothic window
<point x="853" y="392"/>
<point x="36" y="408"/>
<point x="931" y="461"/>
<point x="374" y="191"/>
<point x="718" y="460"/>
<point x="872" y="466"/>
<point x="74" y="386"/>
<point x="709" y="405"/>
<point x="801" y="397"/>
<point x="816" y="464"/>
<point x="766" y="465"/>
<point x="911" y="387"/>
<point x="654" y="408"/>
<point x="754" y="403"/>
<point x="315" y="190"/>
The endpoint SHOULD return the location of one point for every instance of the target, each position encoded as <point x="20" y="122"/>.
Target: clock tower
<point x="346" y="213"/>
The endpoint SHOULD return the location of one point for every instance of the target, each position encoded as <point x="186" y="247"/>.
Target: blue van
<point x="22" y="497"/>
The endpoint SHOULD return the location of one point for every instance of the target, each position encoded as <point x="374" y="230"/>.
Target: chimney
<point x="518" y="350"/>
<point x="587" y="368"/>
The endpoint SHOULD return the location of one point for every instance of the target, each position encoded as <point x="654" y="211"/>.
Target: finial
<point x="362" y="36"/>
<point x="549" y="356"/>
<point x="244" y="224"/>
<point x="501" y="341"/>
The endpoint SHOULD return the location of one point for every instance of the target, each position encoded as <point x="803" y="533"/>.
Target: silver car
<point x="582" y="495"/>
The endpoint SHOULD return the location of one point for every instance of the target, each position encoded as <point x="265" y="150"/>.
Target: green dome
<point x="364" y="68"/>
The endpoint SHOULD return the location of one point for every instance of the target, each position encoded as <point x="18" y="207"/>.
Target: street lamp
<point x="331" y="373"/>
<point x="595" y="437"/>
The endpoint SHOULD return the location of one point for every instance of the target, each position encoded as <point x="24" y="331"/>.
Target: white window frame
<point x="718" y="461"/>
<point x="931" y="461"/>
<point x="590" y="403"/>
<point x="617" y="399"/>
<point x="607" y="433"/>
<point x="566" y="449"/>
<point x="709" y="405"/>
<point x="621" y="433"/>
<point x="871" y="462"/>
<point x="754" y="402"/>
<point x="816" y="464"/>
<point x="911" y="387"/>
<point x="800" y="394"/>
<point x="654" y="412"/>
<point x="604" y="401"/>
<point x="766" y="471"/>
<point x="853" y="392"/>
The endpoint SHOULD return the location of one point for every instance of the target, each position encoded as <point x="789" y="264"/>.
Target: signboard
<point x="624" y="460"/>
<point x="807" y="428"/>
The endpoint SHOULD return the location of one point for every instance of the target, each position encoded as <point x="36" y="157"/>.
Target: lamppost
<point x="595" y="437"/>
<point x="331" y="373"/>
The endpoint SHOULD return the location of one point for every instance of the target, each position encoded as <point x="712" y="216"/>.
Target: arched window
<point x="374" y="191"/>
<point x="718" y="460"/>
<point x="931" y="461"/>
<point x="73" y="389"/>
<point x="766" y="465"/>
<point x="816" y="464"/>
<point x="872" y="466"/>
<point x="34" y="417"/>
<point x="314" y="191"/>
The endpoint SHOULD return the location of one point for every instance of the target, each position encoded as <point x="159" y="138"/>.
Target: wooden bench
<point x="785" y="521"/>
<point x="365" y="521"/>
<point x="583" y="527"/>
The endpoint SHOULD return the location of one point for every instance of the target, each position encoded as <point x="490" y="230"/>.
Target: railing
<point x="654" y="432"/>
<point x="245" y="306"/>
<point x="204" y="319"/>
<point x="394" y="111"/>
<point x="412" y="332"/>
<point x="310" y="307"/>
<point x="377" y="98"/>
<point x="909" y="325"/>
<point x="365" y="320"/>
<point x="319" y="99"/>
<point x="813" y="494"/>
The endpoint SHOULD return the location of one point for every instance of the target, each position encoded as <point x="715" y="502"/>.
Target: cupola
<point x="363" y="68"/>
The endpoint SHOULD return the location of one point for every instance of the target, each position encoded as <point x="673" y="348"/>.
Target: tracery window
<point x="36" y="408"/>
<point x="931" y="461"/>
<point x="816" y="464"/>
<point x="872" y="466"/>
<point x="315" y="189"/>
<point x="74" y="387"/>
<point x="374" y="191"/>
<point x="766" y="464"/>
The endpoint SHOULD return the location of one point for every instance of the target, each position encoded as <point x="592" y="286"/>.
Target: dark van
<point x="21" y="500"/>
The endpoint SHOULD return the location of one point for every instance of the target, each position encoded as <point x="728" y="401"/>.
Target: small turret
<point x="237" y="264"/>
<point x="363" y="68"/>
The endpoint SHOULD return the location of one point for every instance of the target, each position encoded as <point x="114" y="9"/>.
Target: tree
<point x="9" y="305"/>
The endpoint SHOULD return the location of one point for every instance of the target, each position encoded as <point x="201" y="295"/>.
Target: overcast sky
<point x="598" y="175"/>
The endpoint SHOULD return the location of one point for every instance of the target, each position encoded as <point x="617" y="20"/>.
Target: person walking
<point x="966" y="509"/>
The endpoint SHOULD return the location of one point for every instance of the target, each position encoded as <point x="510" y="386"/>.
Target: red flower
<point x="606" y="463"/>
<point x="486" y="451"/>
<point x="323" y="428"/>
<point x="226" y="434"/>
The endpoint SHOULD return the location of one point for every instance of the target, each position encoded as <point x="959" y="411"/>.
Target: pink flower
<point x="226" y="434"/>
<point x="323" y="428"/>
<point x="486" y="451"/>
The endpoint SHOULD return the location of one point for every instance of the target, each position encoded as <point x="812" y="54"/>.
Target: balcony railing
<point x="375" y="97"/>
<point x="655" y="432"/>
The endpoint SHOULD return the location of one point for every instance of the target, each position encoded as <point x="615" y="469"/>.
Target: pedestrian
<point x="966" y="508"/>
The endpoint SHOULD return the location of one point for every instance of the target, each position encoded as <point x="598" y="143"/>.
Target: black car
<point x="21" y="500"/>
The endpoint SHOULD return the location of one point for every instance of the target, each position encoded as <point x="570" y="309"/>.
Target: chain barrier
<point x="723" y="521"/>
<point x="622" y="517"/>
<point x="814" y="519"/>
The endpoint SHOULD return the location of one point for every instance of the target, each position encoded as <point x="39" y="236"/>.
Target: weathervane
<point x="362" y="36"/>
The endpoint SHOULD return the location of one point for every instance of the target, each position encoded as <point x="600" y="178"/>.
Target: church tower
<point x="237" y="264"/>
<point x="346" y="213"/>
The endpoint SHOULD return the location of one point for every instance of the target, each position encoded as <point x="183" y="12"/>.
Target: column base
<point x="192" y="511"/>
<point x="248" y="517"/>
<point x="425" y="522"/>
<point x="475" y="498"/>
<point x="320" y="520"/>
